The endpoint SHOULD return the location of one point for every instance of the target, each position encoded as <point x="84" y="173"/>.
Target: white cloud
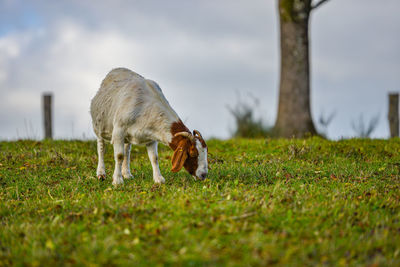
<point x="9" y="49"/>
<point x="200" y="52"/>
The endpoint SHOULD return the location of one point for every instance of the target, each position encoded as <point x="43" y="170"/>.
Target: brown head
<point x="190" y="151"/>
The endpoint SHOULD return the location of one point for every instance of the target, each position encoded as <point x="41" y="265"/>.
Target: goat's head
<point x="191" y="153"/>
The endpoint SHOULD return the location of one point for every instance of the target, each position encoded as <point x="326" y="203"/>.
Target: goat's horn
<point x="198" y="133"/>
<point x="186" y="134"/>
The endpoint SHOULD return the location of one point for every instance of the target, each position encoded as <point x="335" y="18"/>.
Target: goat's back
<point x="126" y="98"/>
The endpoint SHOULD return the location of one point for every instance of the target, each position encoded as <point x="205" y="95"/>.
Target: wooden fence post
<point x="47" y="116"/>
<point x="393" y="115"/>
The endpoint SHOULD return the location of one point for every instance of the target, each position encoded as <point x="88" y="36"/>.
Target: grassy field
<point x="266" y="202"/>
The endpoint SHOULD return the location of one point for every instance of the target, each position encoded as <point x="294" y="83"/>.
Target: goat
<point x="129" y="109"/>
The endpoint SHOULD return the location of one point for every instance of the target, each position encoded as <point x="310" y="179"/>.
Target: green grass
<point x="266" y="202"/>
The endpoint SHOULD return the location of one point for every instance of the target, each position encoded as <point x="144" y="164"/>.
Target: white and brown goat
<point x="129" y="109"/>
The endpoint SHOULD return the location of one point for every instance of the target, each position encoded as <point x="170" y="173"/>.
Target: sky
<point x="206" y="56"/>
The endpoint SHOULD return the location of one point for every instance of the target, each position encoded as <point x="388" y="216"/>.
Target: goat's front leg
<point x="126" y="170"/>
<point x="101" y="169"/>
<point x="153" y="156"/>
<point x="118" y="143"/>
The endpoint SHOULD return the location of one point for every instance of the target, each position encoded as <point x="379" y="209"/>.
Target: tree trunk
<point x="294" y="115"/>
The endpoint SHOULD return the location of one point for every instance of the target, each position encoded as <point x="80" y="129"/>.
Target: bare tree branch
<point x="318" y="4"/>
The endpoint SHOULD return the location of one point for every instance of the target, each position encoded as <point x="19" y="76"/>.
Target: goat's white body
<point x="130" y="109"/>
<point x="137" y="105"/>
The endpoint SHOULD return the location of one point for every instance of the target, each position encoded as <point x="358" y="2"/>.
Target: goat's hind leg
<point x="126" y="170"/>
<point x="101" y="169"/>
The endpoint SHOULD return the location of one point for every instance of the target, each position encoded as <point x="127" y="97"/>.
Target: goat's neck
<point x="176" y="127"/>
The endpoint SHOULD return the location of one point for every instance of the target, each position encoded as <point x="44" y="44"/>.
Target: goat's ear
<point x="179" y="157"/>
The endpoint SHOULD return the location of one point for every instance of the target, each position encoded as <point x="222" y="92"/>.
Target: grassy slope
<point x="297" y="202"/>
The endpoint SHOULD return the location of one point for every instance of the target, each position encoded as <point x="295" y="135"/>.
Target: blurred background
<point x="208" y="57"/>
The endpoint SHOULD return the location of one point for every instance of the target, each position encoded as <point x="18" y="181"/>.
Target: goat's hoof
<point x="101" y="177"/>
<point x="118" y="181"/>
<point x="159" y="180"/>
<point x="127" y="176"/>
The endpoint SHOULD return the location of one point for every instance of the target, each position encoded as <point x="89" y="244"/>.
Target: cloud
<point x="70" y="56"/>
<point x="355" y="62"/>
<point x="201" y="53"/>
